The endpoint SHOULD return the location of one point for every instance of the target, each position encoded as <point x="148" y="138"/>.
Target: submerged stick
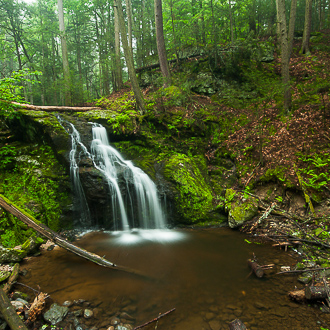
<point x="57" y="239"/>
<point x="155" y="319"/>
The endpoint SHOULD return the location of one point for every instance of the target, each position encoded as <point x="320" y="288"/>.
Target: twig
<point x="302" y="270"/>
<point x="19" y="283"/>
<point x="155" y="319"/>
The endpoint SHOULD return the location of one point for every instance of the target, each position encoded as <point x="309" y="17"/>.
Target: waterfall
<point x="133" y="196"/>
<point x="141" y="204"/>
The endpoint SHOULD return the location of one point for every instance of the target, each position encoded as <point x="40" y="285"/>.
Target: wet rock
<point x="78" y="313"/>
<point x="126" y="316"/>
<point x="214" y="325"/>
<point x="24" y="302"/>
<point x="17" y="305"/>
<point x="55" y="314"/>
<point x="114" y="321"/>
<point x="209" y="316"/>
<point x="11" y="255"/>
<point x="261" y="306"/>
<point x="240" y="208"/>
<point x="214" y="309"/>
<point x="111" y="328"/>
<point x="305" y="279"/>
<point x="88" y="313"/>
<point x="68" y="303"/>
<point x="81" y="327"/>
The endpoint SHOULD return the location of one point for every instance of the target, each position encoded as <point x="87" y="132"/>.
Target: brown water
<point x="203" y="274"/>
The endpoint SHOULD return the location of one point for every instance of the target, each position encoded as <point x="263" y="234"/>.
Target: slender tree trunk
<point x="307" y="28"/>
<point x="118" y="72"/>
<point x="231" y="23"/>
<point x="284" y="54"/>
<point x="292" y="23"/>
<point x="66" y="69"/>
<point x="161" y="42"/>
<point x="174" y="34"/>
<point x="129" y="58"/>
<point x="129" y="22"/>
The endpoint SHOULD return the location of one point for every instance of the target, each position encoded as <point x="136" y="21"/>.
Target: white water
<point x="137" y="205"/>
<point x="140" y="207"/>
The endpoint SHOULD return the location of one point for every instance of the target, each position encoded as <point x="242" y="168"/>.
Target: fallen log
<point x="54" y="107"/>
<point x="237" y="325"/>
<point x="9" y="313"/>
<point x="57" y="239"/>
<point x="316" y="292"/>
<point x="256" y="269"/>
<point x="12" y="278"/>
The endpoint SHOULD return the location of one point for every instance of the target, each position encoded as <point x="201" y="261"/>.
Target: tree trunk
<point x="316" y="292"/>
<point x="161" y="42"/>
<point x="256" y="269"/>
<point x="292" y="23"/>
<point x="129" y="59"/>
<point x="129" y="22"/>
<point x="118" y="72"/>
<point x="66" y="69"/>
<point x="9" y="314"/>
<point x="285" y="55"/>
<point x="307" y="28"/>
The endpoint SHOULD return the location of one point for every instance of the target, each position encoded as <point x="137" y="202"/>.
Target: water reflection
<point x="201" y="273"/>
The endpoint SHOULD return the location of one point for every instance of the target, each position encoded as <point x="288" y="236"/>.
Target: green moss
<point x="194" y="197"/>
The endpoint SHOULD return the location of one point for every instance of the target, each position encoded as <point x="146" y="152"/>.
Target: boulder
<point x="240" y="207"/>
<point x="55" y="314"/>
<point x="8" y="255"/>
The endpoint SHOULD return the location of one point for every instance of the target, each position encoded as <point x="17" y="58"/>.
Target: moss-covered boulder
<point x="240" y="208"/>
<point x="11" y="255"/>
<point x="192" y="195"/>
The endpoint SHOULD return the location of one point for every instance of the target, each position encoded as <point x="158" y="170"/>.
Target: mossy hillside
<point x="37" y="183"/>
<point x="193" y="195"/>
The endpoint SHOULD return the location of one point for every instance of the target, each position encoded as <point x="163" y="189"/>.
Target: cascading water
<point x="141" y="204"/>
<point x="137" y="205"/>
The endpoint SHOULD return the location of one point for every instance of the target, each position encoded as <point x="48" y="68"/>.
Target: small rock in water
<point x="24" y="302"/>
<point x="81" y="327"/>
<point x="68" y="303"/>
<point x="78" y="312"/>
<point x="114" y="321"/>
<point x="126" y="316"/>
<point x="285" y="268"/>
<point x="214" y="325"/>
<point x="55" y="314"/>
<point x="88" y="313"/>
<point x="111" y="328"/>
<point x="17" y="304"/>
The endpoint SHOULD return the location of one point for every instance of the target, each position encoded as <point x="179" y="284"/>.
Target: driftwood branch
<point x="57" y="239"/>
<point x="13" y="277"/>
<point x="9" y="313"/>
<point x="155" y="319"/>
<point x="53" y="107"/>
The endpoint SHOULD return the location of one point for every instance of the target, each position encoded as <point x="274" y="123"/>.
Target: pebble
<point x="68" y="303"/>
<point x="88" y="313"/>
<point x="214" y="325"/>
<point x="114" y="321"/>
<point x="17" y="304"/>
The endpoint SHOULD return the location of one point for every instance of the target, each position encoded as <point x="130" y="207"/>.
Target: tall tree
<point x="286" y="47"/>
<point x="66" y="69"/>
<point x="307" y="28"/>
<point x="129" y="58"/>
<point x="118" y="72"/>
<point x="161" y="42"/>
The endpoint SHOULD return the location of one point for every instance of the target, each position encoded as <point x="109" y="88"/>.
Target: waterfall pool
<point x="202" y="273"/>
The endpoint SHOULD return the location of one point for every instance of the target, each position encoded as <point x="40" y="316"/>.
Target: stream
<point x="202" y="273"/>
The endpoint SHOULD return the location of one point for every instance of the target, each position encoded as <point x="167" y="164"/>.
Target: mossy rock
<point x="240" y="208"/>
<point x="193" y="196"/>
<point x="4" y="275"/>
<point x="11" y="255"/>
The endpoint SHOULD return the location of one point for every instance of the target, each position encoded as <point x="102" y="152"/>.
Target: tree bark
<point x="256" y="269"/>
<point x="57" y="239"/>
<point x="316" y="292"/>
<point x="54" y="108"/>
<point x="13" y="277"/>
<point x="66" y="69"/>
<point x="307" y="28"/>
<point x="118" y="72"/>
<point x="129" y="59"/>
<point x="9" y="313"/>
<point x="292" y="23"/>
<point x="161" y="42"/>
